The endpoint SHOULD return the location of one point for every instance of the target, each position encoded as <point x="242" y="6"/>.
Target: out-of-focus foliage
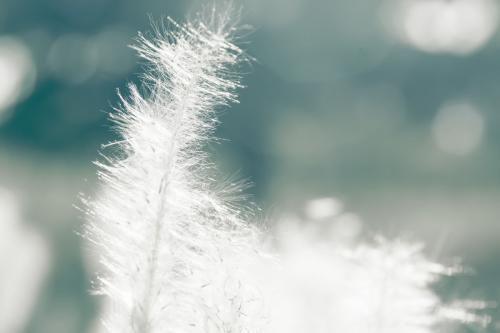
<point x="390" y="105"/>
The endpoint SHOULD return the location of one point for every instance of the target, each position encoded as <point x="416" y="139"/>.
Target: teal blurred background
<point x="391" y="106"/>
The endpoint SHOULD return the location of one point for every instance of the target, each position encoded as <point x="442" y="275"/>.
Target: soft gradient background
<point x="390" y="106"/>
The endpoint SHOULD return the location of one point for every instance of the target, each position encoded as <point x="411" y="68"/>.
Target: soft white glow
<point x="322" y="208"/>
<point x="24" y="263"/>
<point x="346" y="227"/>
<point x="453" y="26"/>
<point x="458" y="128"/>
<point x="17" y="71"/>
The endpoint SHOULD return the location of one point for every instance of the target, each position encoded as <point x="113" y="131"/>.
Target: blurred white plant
<point x="331" y="281"/>
<point x="171" y="242"/>
<point x="25" y="259"/>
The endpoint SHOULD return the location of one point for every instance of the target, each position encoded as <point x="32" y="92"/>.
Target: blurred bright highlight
<point x="458" y="128"/>
<point x="445" y="26"/>
<point x="24" y="262"/>
<point x="17" y="72"/>
<point x="323" y="208"/>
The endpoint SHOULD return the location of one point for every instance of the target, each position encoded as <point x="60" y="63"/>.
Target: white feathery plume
<point x="179" y="257"/>
<point x="172" y="246"/>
